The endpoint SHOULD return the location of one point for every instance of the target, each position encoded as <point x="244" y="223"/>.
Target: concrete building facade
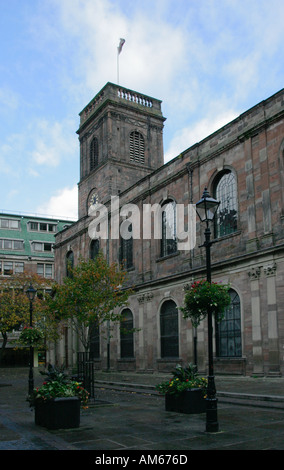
<point x="26" y="245"/>
<point x="242" y="165"/>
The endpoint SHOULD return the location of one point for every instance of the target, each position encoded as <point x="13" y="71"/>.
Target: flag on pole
<point x="121" y="42"/>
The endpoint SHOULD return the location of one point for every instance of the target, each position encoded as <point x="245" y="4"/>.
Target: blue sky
<point x="207" y="60"/>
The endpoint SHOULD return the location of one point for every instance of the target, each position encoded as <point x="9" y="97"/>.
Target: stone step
<point x="249" y="399"/>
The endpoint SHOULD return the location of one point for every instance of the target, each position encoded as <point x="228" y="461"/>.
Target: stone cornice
<point x="201" y="270"/>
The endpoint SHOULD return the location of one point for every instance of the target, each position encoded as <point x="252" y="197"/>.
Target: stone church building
<point x="242" y="166"/>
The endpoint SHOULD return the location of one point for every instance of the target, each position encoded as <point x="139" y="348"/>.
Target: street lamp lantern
<point x="206" y="209"/>
<point x="31" y="292"/>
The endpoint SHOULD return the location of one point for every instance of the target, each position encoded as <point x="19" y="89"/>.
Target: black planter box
<point x="59" y="413"/>
<point x="190" y="402"/>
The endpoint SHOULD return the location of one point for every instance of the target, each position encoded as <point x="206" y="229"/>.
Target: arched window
<point x="126" y="250"/>
<point x="69" y="262"/>
<point x="94" y="340"/>
<point x="94" y="249"/>
<point x="281" y="161"/>
<point x="169" y="239"/>
<point x="126" y="334"/>
<point x="94" y="153"/>
<point x="227" y="213"/>
<point x="169" y="329"/>
<point x="137" y="147"/>
<point x="229" y="329"/>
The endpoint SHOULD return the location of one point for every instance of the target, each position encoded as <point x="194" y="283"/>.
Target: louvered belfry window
<point x="137" y="147"/>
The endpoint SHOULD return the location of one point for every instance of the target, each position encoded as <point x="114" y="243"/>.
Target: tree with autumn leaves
<point x="14" y="308"/>
<point x="90" y="295"/>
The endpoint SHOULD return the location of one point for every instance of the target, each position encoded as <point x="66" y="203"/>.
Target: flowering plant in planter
<point x="184" y="378"/>
<point x="31" y="336"/>
<point x="203" y="295"/>
<point x="58" y="385"/>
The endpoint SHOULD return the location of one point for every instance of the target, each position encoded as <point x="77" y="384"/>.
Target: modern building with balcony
<point x="26" y="245"/>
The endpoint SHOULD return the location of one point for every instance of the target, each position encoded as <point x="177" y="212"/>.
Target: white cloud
<point x="153" y="52"/>
<point x="64" y="204"/>
<point x="204" y="60"/>
<point x="11" y="153"/>
<point x="33" y="173"/>
<point x="191" y="135"/>
<point x="53" y="142"/>
<point x="8" y="99"/>
<point x="5" y="168"/>
<point x="184" y="54"/>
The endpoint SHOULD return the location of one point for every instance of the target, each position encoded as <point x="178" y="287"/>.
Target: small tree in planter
<point x="57" y="402"/>
<point x="185" y="392"/>
<point x="203" y="295"/>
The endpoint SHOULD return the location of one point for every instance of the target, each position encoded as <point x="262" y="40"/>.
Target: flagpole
<point x="118" y="66"/>
<point x="119" y="49"/>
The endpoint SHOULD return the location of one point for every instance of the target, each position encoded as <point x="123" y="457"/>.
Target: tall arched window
<point x="227" y="213"/>
<point x="281" y="166"/>
<point x="94" y="332"/>
<point x="126" y="334"/>
<point x="69" y="262"/>
<point x="126" y="250"/>
<point x="137" y="147"/>
<point x="169" y="329"/>
<point x="229" y="329"/>
<point x="94" y="248"/>
<point x="169" y="239"/>
<point x="94" y="153"/>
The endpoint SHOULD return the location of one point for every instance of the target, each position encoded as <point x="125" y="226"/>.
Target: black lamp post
<point x="31" y="292"/>
<point x="206" y="209"/>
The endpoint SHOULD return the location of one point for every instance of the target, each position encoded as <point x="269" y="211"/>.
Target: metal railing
<point x="85" y="372"/>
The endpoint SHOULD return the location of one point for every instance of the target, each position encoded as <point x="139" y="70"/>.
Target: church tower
<point x="121" y="141"/>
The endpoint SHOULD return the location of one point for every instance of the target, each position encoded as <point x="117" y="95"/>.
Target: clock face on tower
<point x="93" y="198"/>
